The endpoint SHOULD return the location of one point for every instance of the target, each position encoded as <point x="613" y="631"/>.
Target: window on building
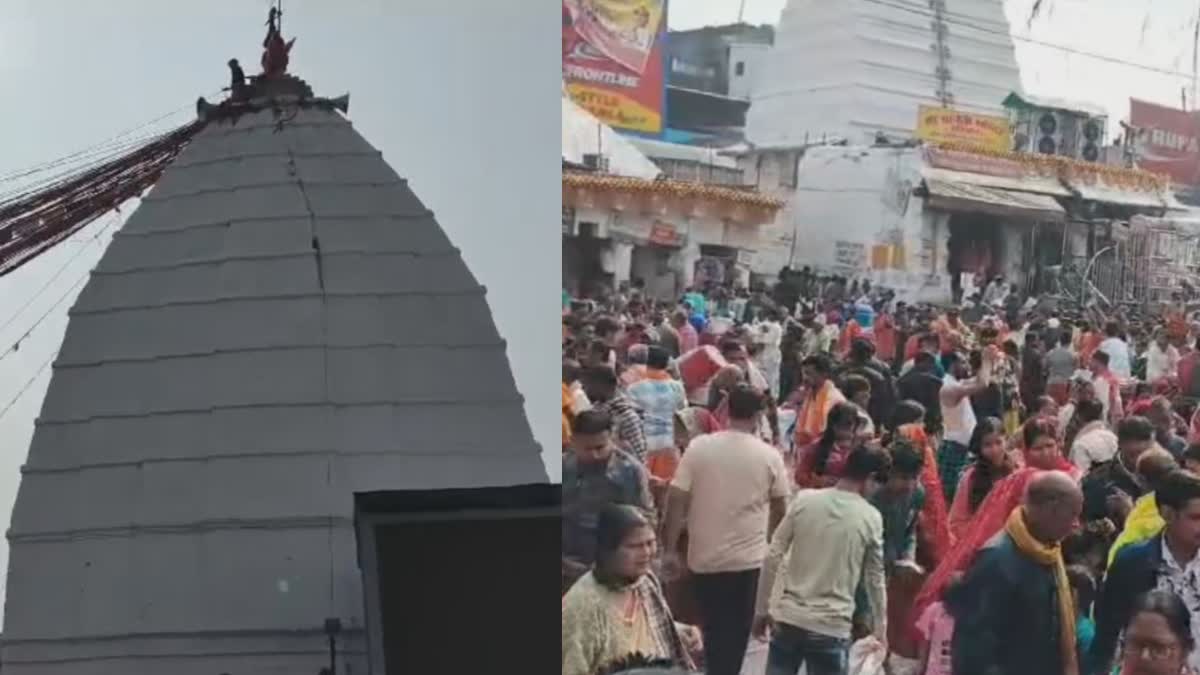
<point x="789" y="168"/>
<point x="739" y="68"/>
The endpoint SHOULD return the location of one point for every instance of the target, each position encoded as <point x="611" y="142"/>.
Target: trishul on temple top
<point x="275" y="50"/>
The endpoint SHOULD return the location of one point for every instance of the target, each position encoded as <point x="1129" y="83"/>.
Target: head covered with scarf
<point x="993" y="514"/>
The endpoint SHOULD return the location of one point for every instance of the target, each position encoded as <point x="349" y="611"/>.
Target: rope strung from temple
<point x="35" y="220"/>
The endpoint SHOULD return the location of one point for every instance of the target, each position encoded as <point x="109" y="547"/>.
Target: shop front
<point x="654" y="233"/>
<point x="991" y="233"/>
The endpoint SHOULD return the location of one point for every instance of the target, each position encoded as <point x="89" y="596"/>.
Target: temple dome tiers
<point x="279" y="325"/>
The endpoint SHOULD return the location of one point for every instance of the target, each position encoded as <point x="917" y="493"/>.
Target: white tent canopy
<point x="583" y="134"/>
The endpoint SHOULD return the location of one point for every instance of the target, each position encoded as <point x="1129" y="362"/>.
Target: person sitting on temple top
<point x="237" y="80"/>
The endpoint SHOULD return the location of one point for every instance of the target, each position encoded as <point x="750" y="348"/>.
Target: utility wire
<point x="894" y="4"/>
<point x="16" y="346"/>
<point x="57" y="274"/>
<point x="112" y="140"/>
<point x="25" y="387"/>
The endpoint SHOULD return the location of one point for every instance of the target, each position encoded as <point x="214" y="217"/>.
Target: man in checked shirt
<point x="629" y="433"/>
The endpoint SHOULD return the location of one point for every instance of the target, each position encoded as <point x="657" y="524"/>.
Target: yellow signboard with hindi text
<point x="943" y="126"/>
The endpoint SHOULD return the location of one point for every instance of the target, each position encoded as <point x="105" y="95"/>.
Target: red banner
<point x="613" y="60"/>
<point x="1167" y="142"/>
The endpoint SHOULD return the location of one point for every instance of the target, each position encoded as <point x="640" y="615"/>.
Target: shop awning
<point x="1043" y="185"/>
<point x="959" y="196"/>
<point x="1109" y="195"/>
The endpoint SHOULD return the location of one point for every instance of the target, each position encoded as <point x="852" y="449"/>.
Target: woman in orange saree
<point x="933" y="530"/>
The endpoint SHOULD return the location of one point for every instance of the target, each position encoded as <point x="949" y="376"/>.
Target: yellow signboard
<point x="943" y="126"/>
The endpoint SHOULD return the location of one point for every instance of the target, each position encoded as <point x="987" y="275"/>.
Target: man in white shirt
<point x="1119" y="361"/>
<point x="768" y="334"/>
<point x="1095" y="442"/>
<point x="731" y="490"/>
<point x="1162" y="359"/>
<point x="1107" y="384"/>
<point x="832" y="540"/>
<point x="958" y="417"/>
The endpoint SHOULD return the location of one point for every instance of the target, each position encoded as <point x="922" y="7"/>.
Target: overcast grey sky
<point x="1157" y="33"/>
<point x="461" y="97"/>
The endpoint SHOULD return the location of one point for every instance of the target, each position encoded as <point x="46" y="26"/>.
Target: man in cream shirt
<point x="731" y="490"/>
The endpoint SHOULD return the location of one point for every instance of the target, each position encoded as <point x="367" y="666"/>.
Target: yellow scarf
<point x="1049" y="556"/>
<point x="1142" y="523"/>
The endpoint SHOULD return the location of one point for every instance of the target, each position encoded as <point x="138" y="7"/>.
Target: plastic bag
<point x="755" y="662"/>
<point x="899" y="665"/>
<point x="867" y="657"/>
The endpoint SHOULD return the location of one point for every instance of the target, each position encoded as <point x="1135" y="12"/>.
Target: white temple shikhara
<point x="279" y="325"/>
<point x="852" y="68"/>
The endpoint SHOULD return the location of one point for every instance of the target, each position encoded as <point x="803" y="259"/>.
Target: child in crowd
<point x="900" y="501"/>
<point x="936" y="629"/>
<point x="1083" y="586"/>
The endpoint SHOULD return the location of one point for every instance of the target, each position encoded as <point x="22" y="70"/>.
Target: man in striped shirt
<point x="600" y="385"/>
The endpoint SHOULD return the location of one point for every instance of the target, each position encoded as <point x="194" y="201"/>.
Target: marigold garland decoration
<point x="1073" y="170"/>
<point x="670" y="188"/>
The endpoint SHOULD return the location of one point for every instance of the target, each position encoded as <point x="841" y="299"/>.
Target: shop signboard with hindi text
<point x="613" y="61"/>
<point x="1168" y="141"/>
<point x="664" y="234"/>
<point x="943" y="126"/>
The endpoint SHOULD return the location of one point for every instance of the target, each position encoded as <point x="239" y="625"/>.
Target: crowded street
<point x="880" y="335"/>
<point x="792" y="474"/>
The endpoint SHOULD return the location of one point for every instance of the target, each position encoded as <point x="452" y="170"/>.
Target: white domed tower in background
<point x="281" y="325"/>
<point x="852" y="68"/>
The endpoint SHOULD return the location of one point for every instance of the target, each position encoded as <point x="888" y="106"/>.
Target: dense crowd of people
<point x="994" y="487"/>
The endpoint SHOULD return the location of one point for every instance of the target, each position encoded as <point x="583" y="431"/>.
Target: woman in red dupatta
<point x="933" y="530"/>
<point x="1041" y="453"/>
<point x="993" y="462"/>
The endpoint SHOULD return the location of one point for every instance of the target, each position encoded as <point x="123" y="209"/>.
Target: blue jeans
<point x="793" y="647"/>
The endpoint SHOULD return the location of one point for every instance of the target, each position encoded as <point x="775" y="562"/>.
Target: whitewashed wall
<point x="849" y="199"/>
<point x="852" y="67"/>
